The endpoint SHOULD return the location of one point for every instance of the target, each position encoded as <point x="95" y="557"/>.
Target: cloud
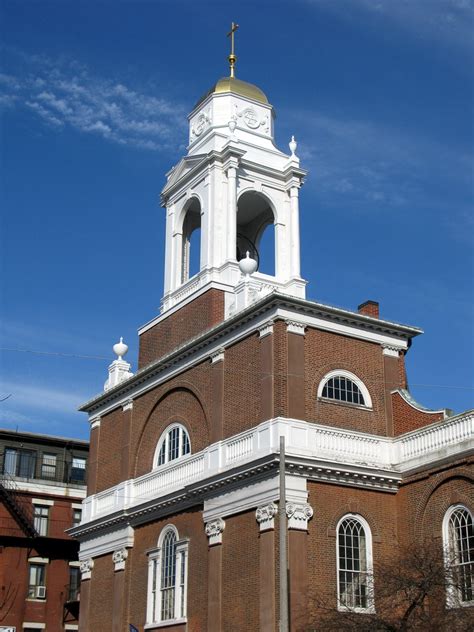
<point x="446" y="21"/>
<point x="375" y="163"/>
<point x="63" y="94"/>
<point x="39" y="398"/>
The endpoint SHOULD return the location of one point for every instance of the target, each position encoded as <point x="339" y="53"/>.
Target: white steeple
<point x="232" y="184"/>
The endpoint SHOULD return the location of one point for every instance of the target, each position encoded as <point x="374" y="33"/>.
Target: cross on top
<point x="232" y="56"/>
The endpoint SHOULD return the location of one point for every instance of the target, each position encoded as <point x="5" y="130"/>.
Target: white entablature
<point x="232" y="184"/>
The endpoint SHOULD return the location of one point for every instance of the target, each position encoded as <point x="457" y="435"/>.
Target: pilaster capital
<point x="128" y="405"/>
<point x="214" y="530"/>
<point x="298" y="515"/>
<point x="95" y="422"/>
<point x="266" y="329"/>
<point x="293" y="327"/>
<point x="86" y="568"/>
<point x="391" y="350"/>
<point x="217" y="356"/>
<point x="265" y="516"/>
<point x="119" y="558"/>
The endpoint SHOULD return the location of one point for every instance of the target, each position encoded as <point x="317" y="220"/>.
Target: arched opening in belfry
<point x="191" y="252"/>
<point x="256" y="230"/>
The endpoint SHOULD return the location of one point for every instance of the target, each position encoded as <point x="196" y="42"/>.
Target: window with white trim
<point x="37" y="581"/>
<point x="173" y="444"/>
<point x="354" y="564"/>
<point x="458" y="536"/>
<point x="41" y="519"/>
<point x="167" y="578"/>
<point x="345" y="387"/>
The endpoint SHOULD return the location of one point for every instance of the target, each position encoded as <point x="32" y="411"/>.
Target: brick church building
<point x="180" y="528"/>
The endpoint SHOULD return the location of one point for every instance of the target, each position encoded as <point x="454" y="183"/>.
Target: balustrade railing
<point x="311" y="440"/>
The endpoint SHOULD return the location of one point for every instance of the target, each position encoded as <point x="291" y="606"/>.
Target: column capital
<point x="86" y="568"/>
<point x="265" y="516"/>
<point x="214" y="530"/>
<point x="119" y="558"/>
<point x="217" y="356"/>
<point x="299" y="515"/>
<point x="266" y="329"/>
<point x="293" y="327"/>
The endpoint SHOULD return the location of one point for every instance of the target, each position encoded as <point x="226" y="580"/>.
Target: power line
<point x="55" y="353"/>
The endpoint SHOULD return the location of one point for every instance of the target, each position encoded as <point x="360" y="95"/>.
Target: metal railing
<point x="34" y="466"/>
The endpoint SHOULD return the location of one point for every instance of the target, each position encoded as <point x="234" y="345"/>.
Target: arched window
<point x="458" y="537"/>
<point x="173" y="444"/>
<point x="255" y="230"/>
<point x="191" y="245"/>
<point x="342" y="386"/>
<point x="354" y="564"/>
<point x="167" y="578"/>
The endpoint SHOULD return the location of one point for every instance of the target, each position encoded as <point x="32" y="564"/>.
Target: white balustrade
<point x="313" y="441"/>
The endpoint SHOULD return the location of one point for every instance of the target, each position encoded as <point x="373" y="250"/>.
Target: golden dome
<point x="235" y="86"/>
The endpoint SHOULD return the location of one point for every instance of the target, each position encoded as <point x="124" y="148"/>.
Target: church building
<point x="180" y="529"/>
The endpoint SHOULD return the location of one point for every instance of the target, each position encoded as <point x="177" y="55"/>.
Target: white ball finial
<point x="120" y="348"/>
<point x="247" y="265"/>
<point x="292" y="145"/>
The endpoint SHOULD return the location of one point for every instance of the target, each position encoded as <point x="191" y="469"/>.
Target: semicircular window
<point x="174" y="444"/>
<point x="343" y="389"/>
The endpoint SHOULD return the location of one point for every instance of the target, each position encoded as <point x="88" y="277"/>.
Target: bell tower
<point x="232" y="184"/>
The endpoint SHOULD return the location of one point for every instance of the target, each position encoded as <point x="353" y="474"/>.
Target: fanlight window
<point x="354" y="565"/>
<point x="459" y="552"/>
<point x="173" y="444"/>
<point x="167" y="578"/>
<point x="342" y="386"/>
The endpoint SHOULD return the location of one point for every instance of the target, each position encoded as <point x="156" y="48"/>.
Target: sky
<point x="93" y="100"/>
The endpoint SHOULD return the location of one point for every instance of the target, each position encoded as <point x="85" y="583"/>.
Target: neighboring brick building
<point x="42" y="486"/>
<point x="180" y="526"/>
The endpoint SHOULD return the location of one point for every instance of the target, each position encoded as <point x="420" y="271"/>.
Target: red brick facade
<point x="233" y="586"/>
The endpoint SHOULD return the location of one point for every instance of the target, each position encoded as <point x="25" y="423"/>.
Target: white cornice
<point x="222" y="335"/>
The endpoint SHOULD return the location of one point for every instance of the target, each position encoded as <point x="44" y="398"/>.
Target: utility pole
<point x="283" y="544"/>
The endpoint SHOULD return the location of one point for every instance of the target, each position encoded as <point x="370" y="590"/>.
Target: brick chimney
<point x="369" y="308"/>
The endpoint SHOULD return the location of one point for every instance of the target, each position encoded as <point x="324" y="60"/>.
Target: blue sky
<point x="94" y="97"/>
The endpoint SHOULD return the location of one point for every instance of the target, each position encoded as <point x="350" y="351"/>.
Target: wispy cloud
<point x="38" y="398"/>
<point x="446" y="21"/>
<point x="64" y="94"/>
<point x="375" y="163"/>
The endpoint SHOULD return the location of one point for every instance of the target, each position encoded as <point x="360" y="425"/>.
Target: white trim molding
<point x="38" y="560"/>
<point x="299" y="515"/>
<point x="42" y="501"/>
<point x="119" y="558"/>
<point x="33" y="625"/>
<point x="349" y="376"/>
<point x="214" y="530"/>
<point x="86" y="568"/>
<point x="265" y="516"/>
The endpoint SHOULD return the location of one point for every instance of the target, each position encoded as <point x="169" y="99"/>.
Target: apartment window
<point x="78" y="470"/>
<point x="41" y="517"/>
<point x="76" y="517"/>
<point x="48" y="466"/>
<point x="173" y="444"/>
<point x="345" y="387"/>
<point x="167" y="578"/>
<point x="458" y="536"/>
<point x="74" y="583"/>
<point x="354" y="559"/>
<point x="19" y="463"/>
<point x="37" y="581"/>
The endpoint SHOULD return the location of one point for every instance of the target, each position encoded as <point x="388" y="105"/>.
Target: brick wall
<point x="324" y="352"/>
<point x="191" y="320"/>
<point x="407" y="418"/>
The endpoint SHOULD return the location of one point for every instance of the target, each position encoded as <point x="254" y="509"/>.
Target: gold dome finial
<point x="232" y="57"/>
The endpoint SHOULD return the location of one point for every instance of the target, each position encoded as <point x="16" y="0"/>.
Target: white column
<point x="232" y="213"/>
<point x="295" y="232"/>
<point x="169" y="249"/>
<point x="177" y="260"/>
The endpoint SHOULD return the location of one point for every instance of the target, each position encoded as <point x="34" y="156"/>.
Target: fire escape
<point x="20" y="511"/>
